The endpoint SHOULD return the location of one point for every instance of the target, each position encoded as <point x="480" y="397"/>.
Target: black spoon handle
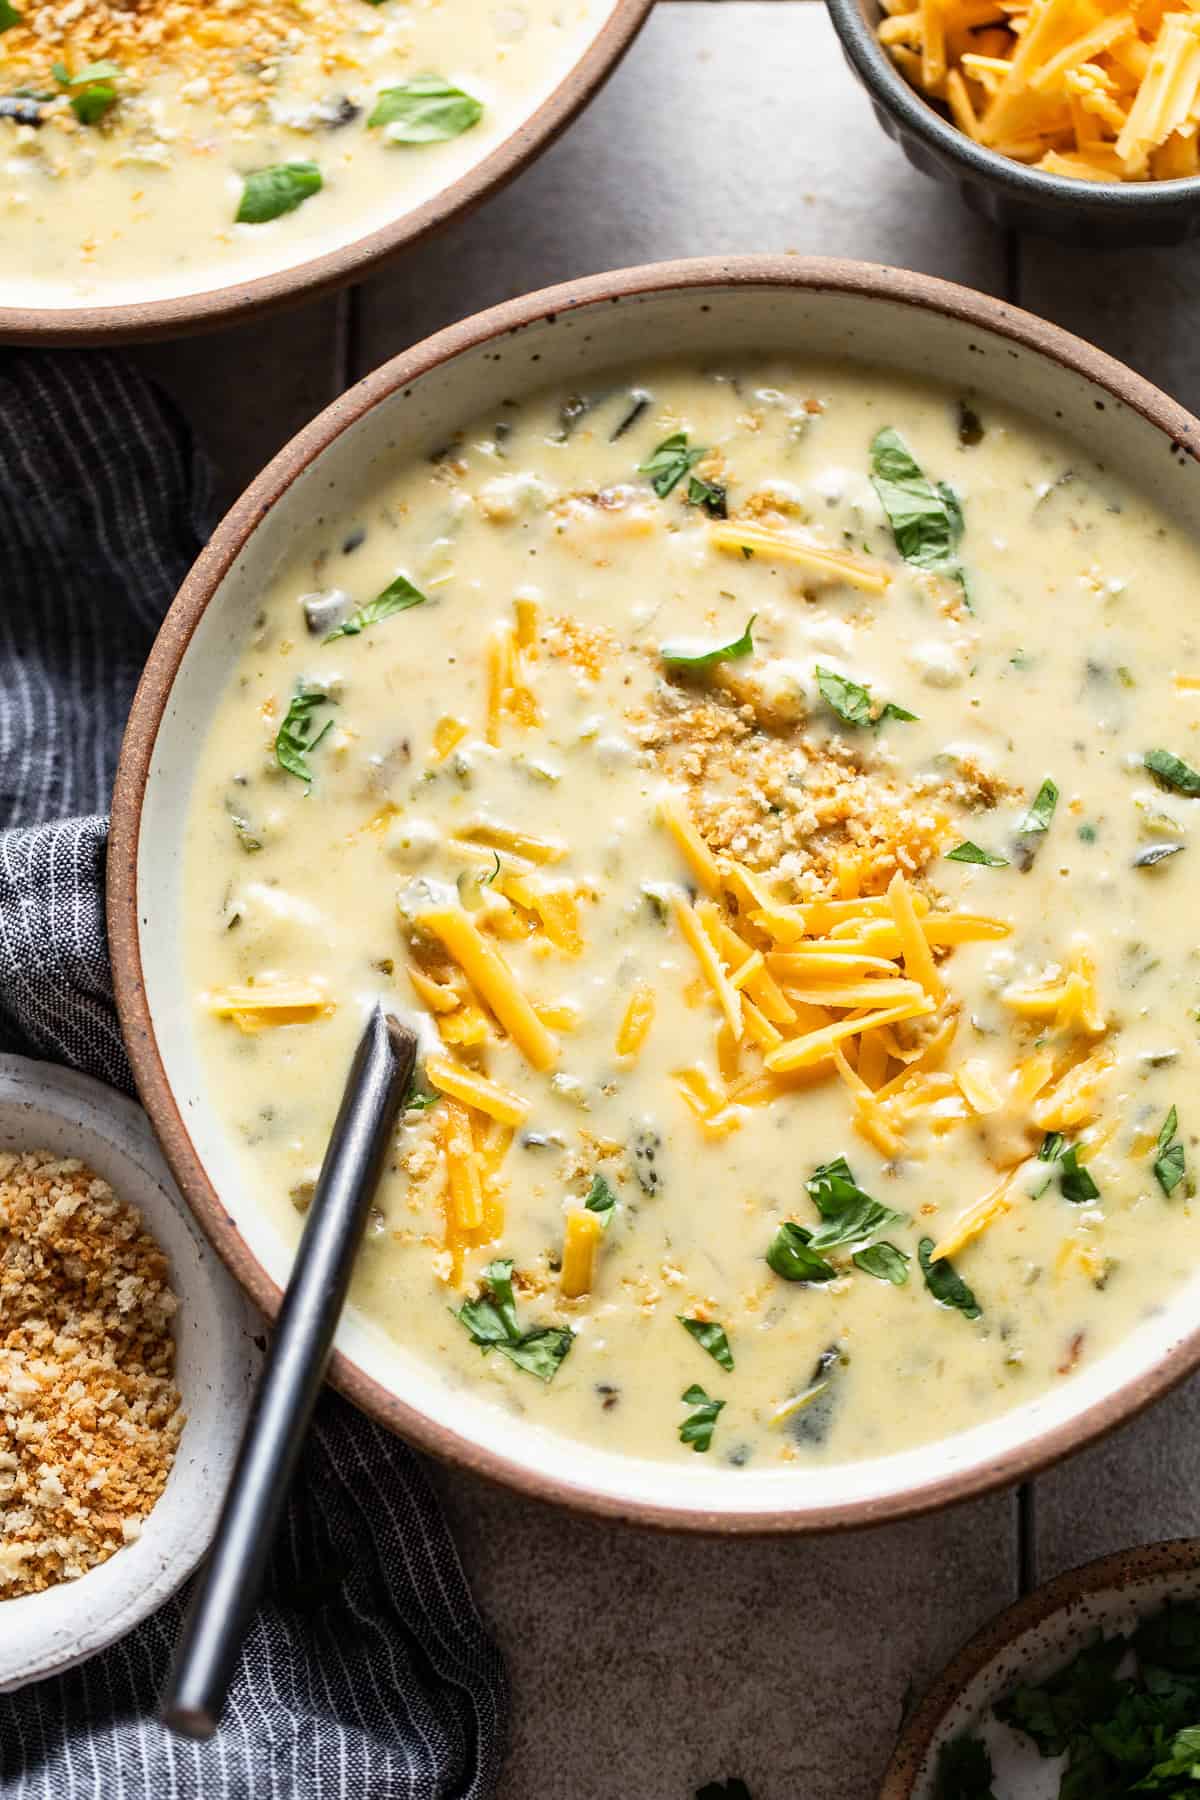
<point x="293" y="1372"/>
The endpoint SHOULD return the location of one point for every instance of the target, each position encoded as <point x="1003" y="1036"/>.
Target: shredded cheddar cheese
<point x="1075" y="87"/>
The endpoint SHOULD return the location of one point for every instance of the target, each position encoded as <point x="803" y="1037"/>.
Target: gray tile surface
<point x="727" y="128"/>
<point x="248" y="389"/>
<point x="1141" y="308"/>
<point x="643" y="1665"/>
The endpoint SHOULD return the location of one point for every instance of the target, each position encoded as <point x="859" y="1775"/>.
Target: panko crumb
<point x="793" y="804"/>
<point x="228" y="52"/>
<point x="88" y="1403"/>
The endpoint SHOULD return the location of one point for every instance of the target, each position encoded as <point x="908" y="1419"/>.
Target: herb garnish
<point x="94" y="91"/>
<point x="789" y="1255"/>
<point x="417" y="1100"/>
<point x="1170" y="1164"/>
<point x="850" y="1215"/>
<point x="1051" y="1148"/>
<point x="426" y="110"/>
<point x="1173" y="772"/>
<point x="9" y="16"/>
<point x="884" y="1261"/>
<point x="676" y="657"/>
<point x="294" y="741"/>
<point x="396" y="597"/>
<point x="601" y="1200"/>
<point x="945" y="1283"/>
<point x="968" y="852"/>
<point x="1076" y="1183"/>
<point x="853" y="703"/>
<point x="697" y="1428"/>
<point x="279" y="189"/>
<point x="1042" y="811"/>
<point x="964" y="1770"/>
<point x="926" y="521"/>
<point x="711" y="1337"/>
<point x="492" y="1323"/>
<point x="670" y="462"/>
<point x="1121" y="1734"/>
<point x="710" y="495"/>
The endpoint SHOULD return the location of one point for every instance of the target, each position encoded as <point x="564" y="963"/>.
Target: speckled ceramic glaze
<point x="1027" y="1643"/>
<point x="46" y="1108"/>
<point x="410" y="407"/>
<point x="1104" y="215"/>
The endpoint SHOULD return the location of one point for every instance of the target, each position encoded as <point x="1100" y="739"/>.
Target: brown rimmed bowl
<point x="1028" y="1643"/>
<point x="708" y="309"/>
<point x="355" y="258"/>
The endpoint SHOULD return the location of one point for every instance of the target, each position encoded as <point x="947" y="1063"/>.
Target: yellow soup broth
<point x="772" y="788"/>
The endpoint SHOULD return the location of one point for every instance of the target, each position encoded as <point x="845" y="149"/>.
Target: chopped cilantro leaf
<point x="852" y="702"/>
<point x="945" y="1283"/>
<point x="1042" y="811"/>
<point x="697" y="1428"/>
<point x="491" y="1321"/>
<point x="677" y="657"/>
<point x="670" y="462"/>
<point x="294" y="741"/>
<point x="789" y="1255"/>
<point x="711" y="1337"/>
<point x="281" y="188"/>
<point x="426" y="110"/>
<point x="398" y="596"/>
<point x="971" y="853"/>
<point x="849" y="1215"/>
<point x="1170" y="1163"/>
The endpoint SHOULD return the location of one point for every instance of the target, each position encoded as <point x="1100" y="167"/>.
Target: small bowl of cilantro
<point x="1088" y="1689"/>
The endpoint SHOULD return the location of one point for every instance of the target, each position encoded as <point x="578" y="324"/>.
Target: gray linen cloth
<point x="367" y="1674"/>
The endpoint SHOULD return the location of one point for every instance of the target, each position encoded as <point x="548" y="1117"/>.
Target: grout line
<point x="355" y="369"/>
<point x="345" y="334"/>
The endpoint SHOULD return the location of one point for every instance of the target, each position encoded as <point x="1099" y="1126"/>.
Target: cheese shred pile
<point x="1085" y="88"/>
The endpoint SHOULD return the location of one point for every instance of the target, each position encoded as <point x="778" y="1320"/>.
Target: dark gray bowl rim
<point x="884" y="82"/>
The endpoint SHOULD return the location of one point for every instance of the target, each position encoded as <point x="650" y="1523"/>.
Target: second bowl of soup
<point x="748" y="720"/>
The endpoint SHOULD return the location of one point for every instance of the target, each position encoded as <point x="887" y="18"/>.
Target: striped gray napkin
<point x="367" y="1673"/>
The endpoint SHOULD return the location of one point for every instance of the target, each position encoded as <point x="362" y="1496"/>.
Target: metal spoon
<point x="229" y="1583"/>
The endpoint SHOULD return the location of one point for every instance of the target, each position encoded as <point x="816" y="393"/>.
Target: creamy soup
<point x="169" y="146"/>
<point x="771" y="788"/>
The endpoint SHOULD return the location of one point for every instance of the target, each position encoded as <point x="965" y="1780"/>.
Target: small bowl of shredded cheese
<point x="1075" y="118"/>
<point x="126" y="1365"/>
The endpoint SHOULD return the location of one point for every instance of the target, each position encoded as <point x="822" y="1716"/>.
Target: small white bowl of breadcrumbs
<point x="127" y="1362"/>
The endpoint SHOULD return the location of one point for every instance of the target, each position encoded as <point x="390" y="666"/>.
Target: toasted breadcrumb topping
<point x="792" y="802"/>
<point x="89" y="1411"/>
<point x="233" y="47"/>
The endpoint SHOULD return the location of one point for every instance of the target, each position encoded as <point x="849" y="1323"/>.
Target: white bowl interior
<point x="416" y="420"/>
<point x="45" y="1108"/>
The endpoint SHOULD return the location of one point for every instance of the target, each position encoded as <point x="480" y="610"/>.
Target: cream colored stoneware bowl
<point x="162" y="304"/>
<point x="217" y="1360"/>
<point x="1028" y="1643"/>
<point x="411" y="406"/>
